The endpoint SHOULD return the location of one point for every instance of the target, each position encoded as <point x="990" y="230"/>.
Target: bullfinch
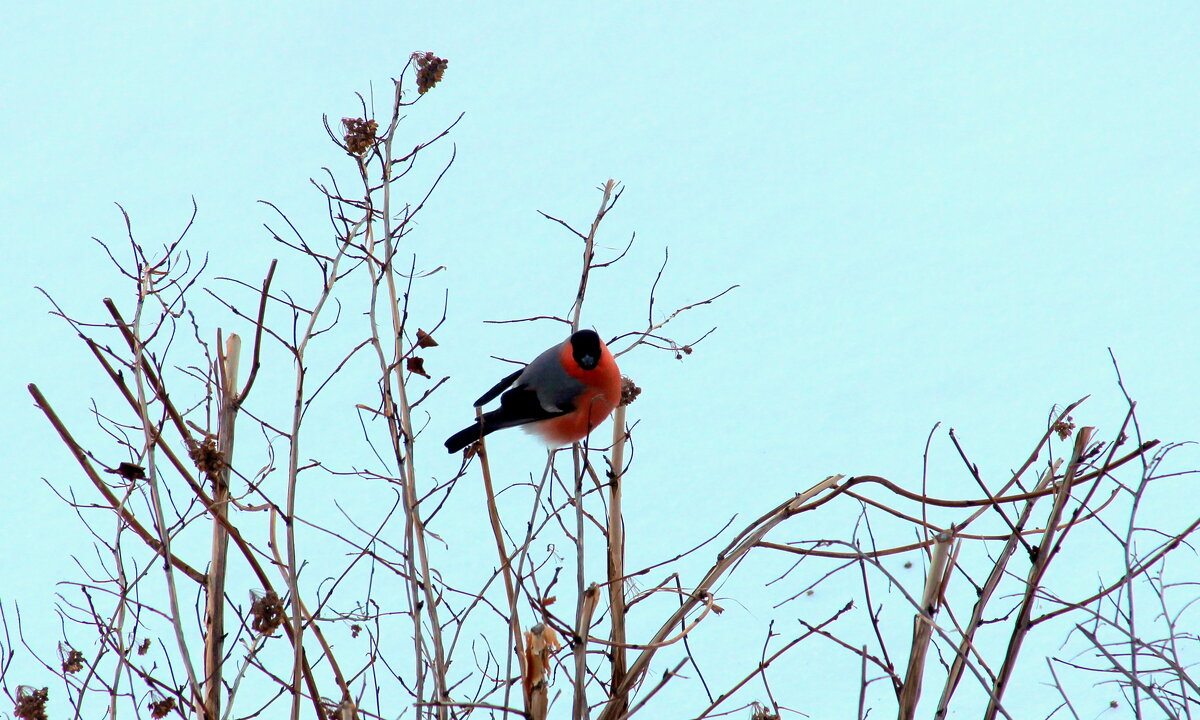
<point x="562" y="395"/>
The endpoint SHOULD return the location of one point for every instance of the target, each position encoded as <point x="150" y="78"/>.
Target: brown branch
<point x="514" y="620"/>
<point x="616" y="556"/>
<point x="214" y="616"/>
<point x="589" y="252"/>
<point x="985" y="594"/>
<point x="764" y="664"/>
<point x="1128" y="576"/>
<point x="113" y="501"/>
<point x="160" y="392"/>
<point x="935" y="584"/>
<point x="726" y="560"/>
<point x="1021" y="625"/>
<point x="258" y="333"/>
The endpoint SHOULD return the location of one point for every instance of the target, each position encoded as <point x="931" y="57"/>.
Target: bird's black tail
<point x="492" y="421"/>
<point x="467" y="435"/>
<point x="519" y="406"/>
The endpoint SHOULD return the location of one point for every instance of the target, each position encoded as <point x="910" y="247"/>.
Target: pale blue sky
<point x="938" y="212"/>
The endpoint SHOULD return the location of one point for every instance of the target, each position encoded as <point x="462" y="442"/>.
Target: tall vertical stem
<point x="214" y="639"/>
<point x="616" y="555"/>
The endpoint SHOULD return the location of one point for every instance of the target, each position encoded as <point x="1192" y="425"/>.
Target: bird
<point x="562" y="395"/>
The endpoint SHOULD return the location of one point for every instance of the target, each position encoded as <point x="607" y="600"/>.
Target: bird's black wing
<point x="522" y="405"/>
<point x="490" y="395"/>
<point x="519" y="406"/>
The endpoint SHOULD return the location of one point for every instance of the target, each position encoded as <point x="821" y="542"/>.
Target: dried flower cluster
<point x="162" y="708"/>
<point x="73" y="662"/>
<point x="207" y="457"/>
<point x="268" y="613"/>
<point x="1064" y="428"/>
<point x="430" y="69"/>
<point x="629" y="391"/>
<point x="31" y="704"/>
<point x="762" y="712"/>
<point x="360" y="134"/>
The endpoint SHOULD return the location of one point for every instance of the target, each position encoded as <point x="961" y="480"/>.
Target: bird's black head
<point x="585" y="348"/>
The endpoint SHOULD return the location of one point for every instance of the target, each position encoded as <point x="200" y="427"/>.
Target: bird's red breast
<point x="601" y="393"/>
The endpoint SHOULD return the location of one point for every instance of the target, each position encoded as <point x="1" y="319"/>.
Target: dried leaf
<point x="417" y="365"/>
<point x="541" y="642"/>
<point x="425" y="340"/>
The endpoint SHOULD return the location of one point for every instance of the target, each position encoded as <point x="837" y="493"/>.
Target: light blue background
<point x="937" y="212"/>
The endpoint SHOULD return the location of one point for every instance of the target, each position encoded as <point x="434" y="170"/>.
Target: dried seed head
<point x="144" y="647"/>
<point x="73" y="662"/>
<point x="162" y="708"/>
<point x="360" y="134"/>
<point x="31" y="704"/>
<point x="761" y="712"/>
<point x="1064" y="428"/>
<point x="430" y="69"/>
<point x="207" y="457"/>
<point x="629" y="391"/>
<point x="268" y="613"/>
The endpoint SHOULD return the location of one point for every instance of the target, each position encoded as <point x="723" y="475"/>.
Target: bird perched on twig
<point x="562" y="395"/>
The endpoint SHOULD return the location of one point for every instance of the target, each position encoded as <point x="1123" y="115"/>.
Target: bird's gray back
<point x="555" y="388"/>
